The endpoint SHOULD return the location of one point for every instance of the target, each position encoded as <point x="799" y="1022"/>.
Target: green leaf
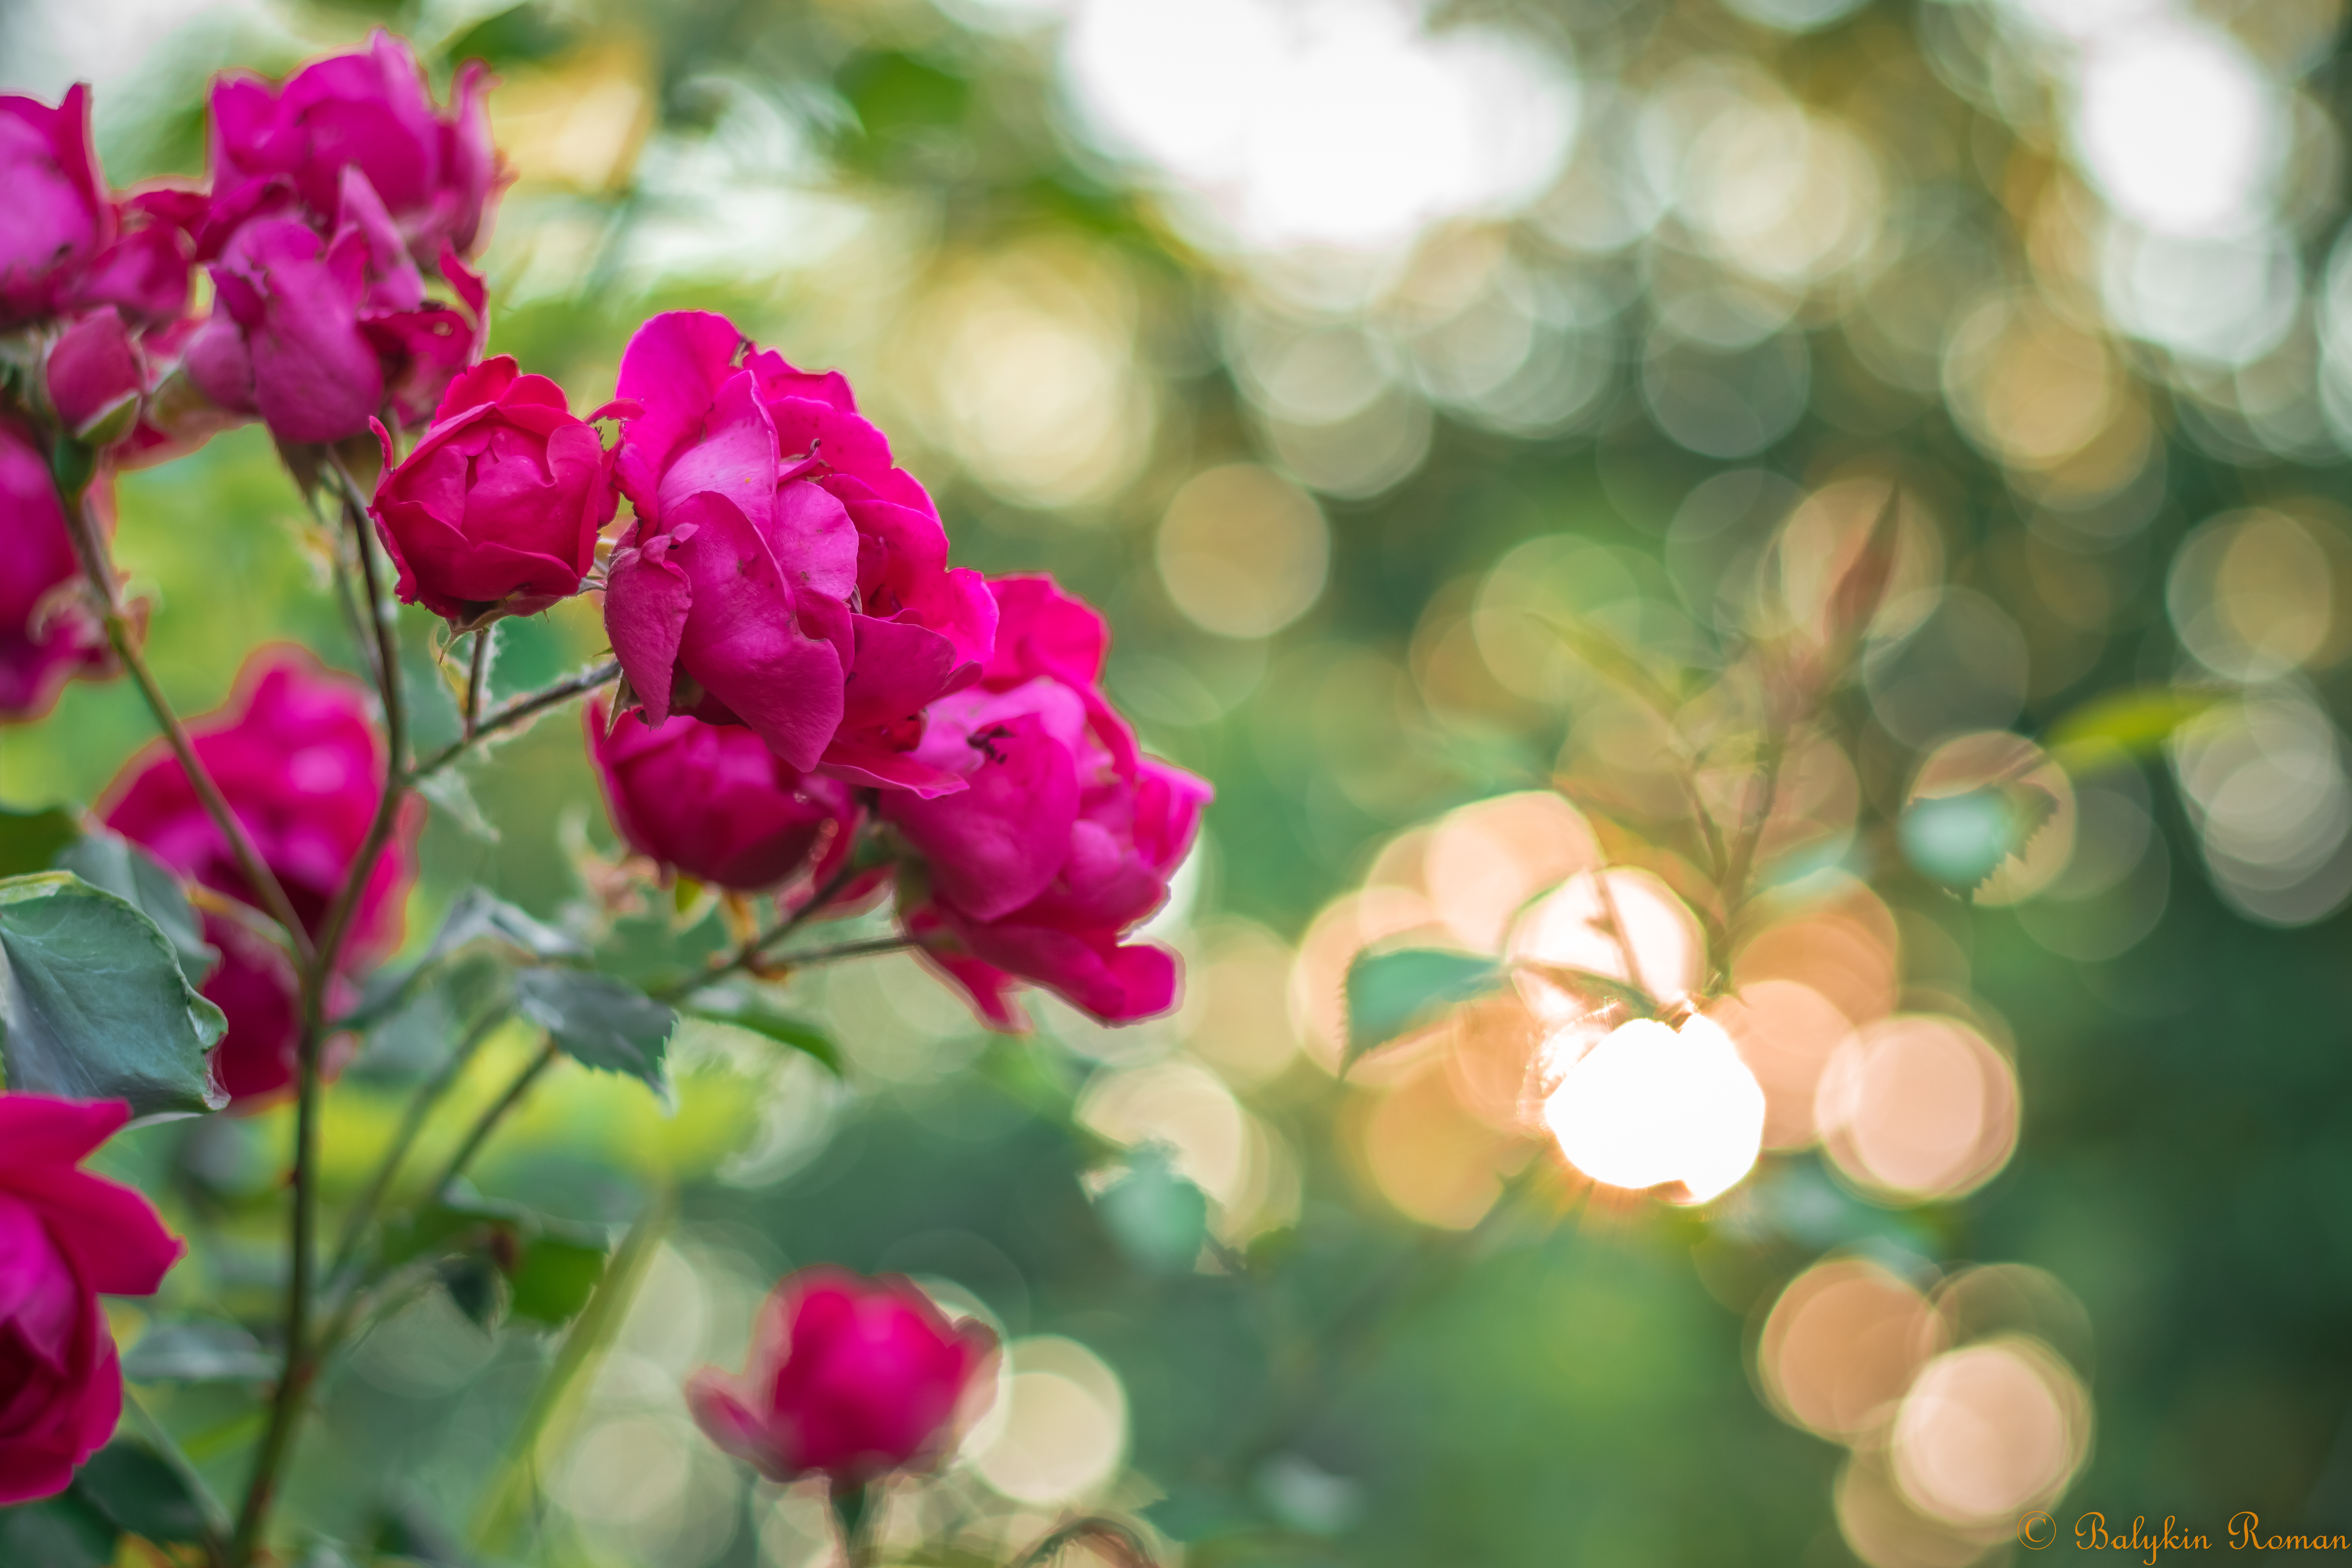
<point x="1158" y="1218"/>
<point x="555" y="1279"/>
<point x="93" y="1004"/>
<point x="1391" y="995"/>
<point x="1584" y="983"/>
<point x="1962" y="839"/>
<point x="475" y="914"/>
<point x="599" y="1021"/>
<point x="752" y="1013"/>
<point x="63" y="1531"/>
<point x="198" y="1352"/>
<point x="1600" y="649"/>
<point x="478" y="1287"/>
<point x="2122" y="725"/>
<point x="131" y="1487"/>
<point x="29" y="840"/>
<point x="107" y="859"/>
<point x="449" y="790"/>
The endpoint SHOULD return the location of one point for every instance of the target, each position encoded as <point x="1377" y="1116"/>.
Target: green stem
<point x="510" y="1492"/>
<point x="750" y="952"/>
<point x="846" y="949"/>
<point x="412" y="1123"/>
<point x="508" y="714"/>
<point x="488" y="1120"/>
<point x="1765" y="785"/>
<point x="121" y="636"/>
<point x="475" y="681"/>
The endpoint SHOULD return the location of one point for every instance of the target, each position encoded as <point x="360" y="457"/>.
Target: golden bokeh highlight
<point x="2027" y="388"/>
<point x="1428" y="1154"/>
<point x="1482" y="862"/>
<point x="2253" y="595"/>
<point x="1056" y="1432"/>
<point x="1821" y="539"/>
<point x="1651" y="1106"/>
<point x="1842" y="1346"/>
<point x="1844" y="944"/>
<point x="1989" y="1430"/>
<point x="1917" y="1108"/>
<point x="1786" y="1032"/>
<point x="1622" y="923"/>
<point x="1237" y="1003"/>
<point x="1243" y="550"/>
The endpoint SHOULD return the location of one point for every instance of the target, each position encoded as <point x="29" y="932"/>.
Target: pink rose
<point x="713" y="802"/>
<point x="66" y="241"/>
<point x="47" y="634"/>
<point x="435" y="173"/>
<point x="65" y="1236"/>
<point x="495" y="512"/>
<point x="296" y="755"/>
<point x="781" y="573"/>
<point x="850" y="1378"/>
<point x="1066" y="835"/>
<point x="318" y="331"/>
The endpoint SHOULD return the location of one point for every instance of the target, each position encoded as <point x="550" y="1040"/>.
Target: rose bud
<point x="1064" y="838"/>
<point x="711" y="801"/>
<point x="495" y="512"/>
<point x="297" y="756"/>
<point x="65" y="1236"/>
<point x="849" y="1378"/>
<point x="781" y="574"/>
<point x="370" y="111"/>
<point x="46" y="636"/>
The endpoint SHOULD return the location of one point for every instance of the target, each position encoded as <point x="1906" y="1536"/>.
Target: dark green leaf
<point x="756" y="1014"/>
<point x="93" y="1004"/>
<point x="197" y="1352"/>
<point x="517" y="36"/>
<point x="599" y="1021"/>
<point x="130" y="1486"/>
<point x="1391" y="995"/>
<point x="555" y="1279"/>
<point x="29" y="840"/>
<point x="107" y="861"/>
<point x="63" y="1531"/>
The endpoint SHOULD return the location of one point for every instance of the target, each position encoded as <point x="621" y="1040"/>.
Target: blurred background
<point x="1338" y="349"/>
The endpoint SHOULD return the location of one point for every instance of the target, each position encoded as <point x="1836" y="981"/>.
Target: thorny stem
<point x="303" y="1354"/>
<point x="507" y="715"/>
<point x="121" y="636"/>
<point x="474" y="681"/>
<point x="751" y="951"/>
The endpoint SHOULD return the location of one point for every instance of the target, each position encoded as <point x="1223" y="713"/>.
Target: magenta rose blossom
<point x="298" y="757"/>
<point x="782" y="573"/>
<point x="1066" y="835"/>
<point x="711" y="801"/>
<point x="65" y="1237"/>
<point x="497" y="511"/>
<point x="434" y="174"/>
<point x="46" y="636"/>
<point x="850" y="1378"/>
<point x="66" y="243"/>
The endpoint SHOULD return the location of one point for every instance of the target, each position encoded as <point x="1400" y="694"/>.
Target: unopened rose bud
<point x="849" y="1378"/>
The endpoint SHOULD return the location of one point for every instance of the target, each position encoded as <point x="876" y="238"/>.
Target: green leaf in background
<point x="1156" y="1216"/>
<point x="752" y="1013"/>
<point x="107" y="861"/>
<point x="198" y="1352"/>
<point x="1609" y="656"/>
<point x="1962" y="839"/>
<point x="29" y="840"/>
<point x="449" y="790"/>
<point x="1391" y="995"/>
<point x="2126" y="725"/>
<point x="600" y="1022"/>
<point x="475" y="915"/>
<point x="137" y="1491"/>
<point x="556" y="1276"/>
<point x="62" y="1531"/>
<point x="93" y="1004"/>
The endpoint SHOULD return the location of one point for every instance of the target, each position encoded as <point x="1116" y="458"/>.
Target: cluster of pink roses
<point x="333" y="203"/>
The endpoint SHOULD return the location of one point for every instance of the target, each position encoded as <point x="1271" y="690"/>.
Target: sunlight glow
<point x="1650" y="1106"/>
